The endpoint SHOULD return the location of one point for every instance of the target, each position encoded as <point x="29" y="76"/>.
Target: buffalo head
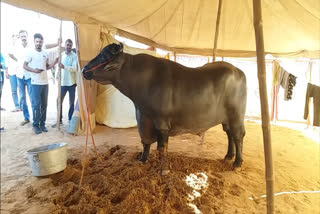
<point x="104" y="66"/>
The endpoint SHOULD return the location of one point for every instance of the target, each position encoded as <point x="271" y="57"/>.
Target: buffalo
<point x="171" y="99"/>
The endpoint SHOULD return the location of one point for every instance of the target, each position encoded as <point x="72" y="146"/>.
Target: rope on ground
<point x="84" y="160"/>
<point x="293" y="192"/>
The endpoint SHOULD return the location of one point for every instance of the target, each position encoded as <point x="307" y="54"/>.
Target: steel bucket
<point x="48" y="159"/>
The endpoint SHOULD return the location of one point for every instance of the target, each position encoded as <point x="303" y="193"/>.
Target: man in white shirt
<point x="11" y="75"/>
<point x="36" y="63"/>
<point x="23" y="76"/>
<point x="69" y="62"/>
<point x="3" y="68"/>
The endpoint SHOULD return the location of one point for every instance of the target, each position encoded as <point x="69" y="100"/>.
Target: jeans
<point x="72" y="92"/>
<point x="39" y="100"/>
<point x="22" y="84"/>
<point x="1" y="82"/>
<point x="13" y="83"/>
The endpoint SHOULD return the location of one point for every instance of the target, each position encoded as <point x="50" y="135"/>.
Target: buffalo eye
<point x="103" y="56"/>
<point x="115" y="49"/>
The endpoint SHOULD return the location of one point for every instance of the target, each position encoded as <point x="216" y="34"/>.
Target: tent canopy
<point x="291" y="28"/>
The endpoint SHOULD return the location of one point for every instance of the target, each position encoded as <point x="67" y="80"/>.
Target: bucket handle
<point x="36" y="158"/>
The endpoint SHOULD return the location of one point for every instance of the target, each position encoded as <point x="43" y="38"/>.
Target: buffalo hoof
<point x="165" y="172"/>
<point x="139" y="155"/>
<point x="236" y="169"/>
<point x="237" y="166"/>
<point x="227" y="159"/>
<point x="141" y="158"/>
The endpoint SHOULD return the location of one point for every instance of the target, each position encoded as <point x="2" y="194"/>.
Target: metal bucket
<point x="48" y="159"/>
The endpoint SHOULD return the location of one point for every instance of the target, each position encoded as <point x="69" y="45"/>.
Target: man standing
<point x="11" y="75"/>
<point x="69" y="62"/>
<point x="2" y="69"/>
<point x="36" y="63"/>
<point x="23" y="77"/>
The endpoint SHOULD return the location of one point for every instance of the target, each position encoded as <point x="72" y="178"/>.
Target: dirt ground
<point x="199" y="181"/>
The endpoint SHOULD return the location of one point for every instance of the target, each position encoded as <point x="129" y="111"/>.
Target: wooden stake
<point x="216" y="34"/>
<point x="258" y="27"/>
<point x="59" y="79"/>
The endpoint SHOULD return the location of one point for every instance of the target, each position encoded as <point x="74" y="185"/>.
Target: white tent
<point x="291" y="28"/>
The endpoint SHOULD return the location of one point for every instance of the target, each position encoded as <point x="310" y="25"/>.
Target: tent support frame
<point x="59" y="79"/>
<point x="258" y="27"/>
<point x="216" y="34"/>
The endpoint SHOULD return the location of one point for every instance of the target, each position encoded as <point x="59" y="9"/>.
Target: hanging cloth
<point x="275" y="90"/>
<point x="287" y="82"/>
<point x="314" y="92"/>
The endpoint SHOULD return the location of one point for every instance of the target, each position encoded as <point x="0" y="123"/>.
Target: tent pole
<point x="216" y="32"/>
<point x="59" y="80"/>
<point x="76" y="32"/>
<point x="258" y="27"/>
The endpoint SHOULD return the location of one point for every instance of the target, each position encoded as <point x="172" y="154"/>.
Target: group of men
<point x="28" y="72"/>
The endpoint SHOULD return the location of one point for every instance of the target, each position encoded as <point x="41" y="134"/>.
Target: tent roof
<point x="291" y="27"/>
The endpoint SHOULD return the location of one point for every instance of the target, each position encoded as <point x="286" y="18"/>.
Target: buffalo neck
<point x="134" y="76"/>
<point x="122" y="78"/>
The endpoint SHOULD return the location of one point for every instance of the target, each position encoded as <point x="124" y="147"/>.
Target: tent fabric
<point x="89" y="42"/>
<point x="291" y="28"/>
<point x="90" y="45"/>
<point x="115" y="109"/>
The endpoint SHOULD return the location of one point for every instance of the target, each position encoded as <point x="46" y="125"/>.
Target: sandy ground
<point x="199" y="181"/>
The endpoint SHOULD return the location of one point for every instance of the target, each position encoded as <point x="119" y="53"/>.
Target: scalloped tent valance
<point x="291" y="28"/>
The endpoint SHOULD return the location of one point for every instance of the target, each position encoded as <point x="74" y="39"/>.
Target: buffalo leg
<point x="145" y="153"/>
<point x="147" y="134"/>
<point x="162" y="139"/>
<point x="238" y="133"/>
<point x="230" y="152"/>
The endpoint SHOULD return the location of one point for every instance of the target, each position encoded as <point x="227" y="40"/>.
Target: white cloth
<point x="20" y="53"/>
<point x="38" y="60"/>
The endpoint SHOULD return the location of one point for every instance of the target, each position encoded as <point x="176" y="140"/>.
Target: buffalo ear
<point x="120" y="47"/>
<point x="117" y="49"/>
